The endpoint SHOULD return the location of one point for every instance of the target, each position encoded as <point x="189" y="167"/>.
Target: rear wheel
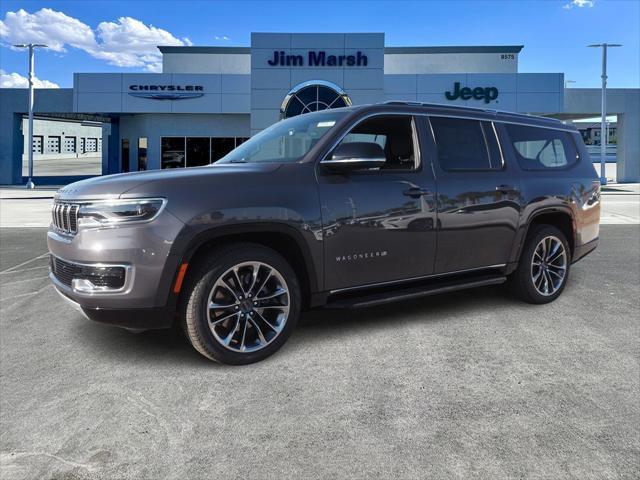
<point x="544" y="266"/>
<point x="243" y="303"/>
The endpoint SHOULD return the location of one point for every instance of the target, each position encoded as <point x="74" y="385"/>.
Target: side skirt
<point x="380" y="297"/>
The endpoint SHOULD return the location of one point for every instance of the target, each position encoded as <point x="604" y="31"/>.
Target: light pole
<point x="31" y="47"/>
<point x="603" y="120"/>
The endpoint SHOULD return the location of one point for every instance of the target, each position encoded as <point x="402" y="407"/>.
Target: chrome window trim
<point x="495" y="132"/>
<point x="412" y="279"/>
<point x="126" y="286"/>
<point x="486" y="144"/>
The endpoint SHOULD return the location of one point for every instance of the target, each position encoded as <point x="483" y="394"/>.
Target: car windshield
<point x="285" y="141"/>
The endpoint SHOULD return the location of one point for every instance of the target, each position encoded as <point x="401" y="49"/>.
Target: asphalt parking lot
<point x="467" y="385"/>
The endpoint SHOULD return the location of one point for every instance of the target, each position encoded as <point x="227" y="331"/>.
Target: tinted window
<point x="541" y="148"/>
<point x="394" y="134"/>
<point x="462" y="144"/>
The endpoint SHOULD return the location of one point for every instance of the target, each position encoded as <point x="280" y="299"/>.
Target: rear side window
<point x="541" y="148"/>
<point x="466" y="144"/>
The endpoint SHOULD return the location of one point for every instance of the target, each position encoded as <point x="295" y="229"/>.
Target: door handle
<point x="416" y="192"/>
<point x="507" y="188"/>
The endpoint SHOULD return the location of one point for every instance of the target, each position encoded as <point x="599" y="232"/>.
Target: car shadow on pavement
<point x="427" y="309"/>
<point x="170" y="346"/>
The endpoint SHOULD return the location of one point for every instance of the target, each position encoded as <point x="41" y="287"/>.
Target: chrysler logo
<point x="166" y="92"/>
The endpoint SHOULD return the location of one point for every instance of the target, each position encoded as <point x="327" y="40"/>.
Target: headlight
<point x="116" y="212"/>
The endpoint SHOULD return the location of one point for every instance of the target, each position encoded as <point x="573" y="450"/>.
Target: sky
<point x="121" y="36"/>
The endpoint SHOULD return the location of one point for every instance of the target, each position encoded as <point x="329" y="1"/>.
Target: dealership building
<point x="207" y="100"/>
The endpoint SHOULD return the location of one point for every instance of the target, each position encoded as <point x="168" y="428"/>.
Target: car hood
<point x="157" y="182"/>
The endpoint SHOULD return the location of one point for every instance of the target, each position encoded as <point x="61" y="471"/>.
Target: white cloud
<point x="127" y="42"/>
<point x="15" y="80"/>
<point x="222" y="38"/>
<point x="579" y="4"/>
<point x="46" y="26"/>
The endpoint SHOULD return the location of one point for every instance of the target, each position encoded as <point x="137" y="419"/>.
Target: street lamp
<point x="603" y="120"/>
<point x="31" y="47"/>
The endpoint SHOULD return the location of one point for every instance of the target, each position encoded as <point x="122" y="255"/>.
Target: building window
<point x="53" y="144"/>
<point x="178" y="152"/>
<point x="124" y="155"/>
<point x="172" y="152"/>
<point x="198" y="151"/>
<point x="221" y="146"/>
<point x="37" y="144"/>
<point x="142" y="153"/>
<point x="313" y="96"/>
<point x="70" y="144"/>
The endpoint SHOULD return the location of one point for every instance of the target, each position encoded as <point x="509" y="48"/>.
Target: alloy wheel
<point x="549" y="265"/>
<point x="248" y="306"/>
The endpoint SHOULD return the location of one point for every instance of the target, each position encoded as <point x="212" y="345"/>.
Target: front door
<point x="479" y="197"/>
<point x="379" y="224"/>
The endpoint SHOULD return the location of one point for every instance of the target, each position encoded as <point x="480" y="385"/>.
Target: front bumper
<point x="132" y="319"/>
<point x="142" y="250"/>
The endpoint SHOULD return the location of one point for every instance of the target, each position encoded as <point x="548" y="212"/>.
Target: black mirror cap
<point x="356" y="155"/>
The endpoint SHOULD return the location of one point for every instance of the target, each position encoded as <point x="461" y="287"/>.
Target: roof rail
<point x="489" y="111"/>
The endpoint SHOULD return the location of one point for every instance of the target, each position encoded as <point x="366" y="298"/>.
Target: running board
<point x="380" y="298"/>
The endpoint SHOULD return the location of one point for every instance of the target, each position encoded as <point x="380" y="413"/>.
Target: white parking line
<point x="12" y="269"/>
<point x="24" y="270"/>
<point x="26" y="294"/>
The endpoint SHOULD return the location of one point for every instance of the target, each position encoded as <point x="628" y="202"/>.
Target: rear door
<point x="379" y="224"/>
<point x="479" y="200"/>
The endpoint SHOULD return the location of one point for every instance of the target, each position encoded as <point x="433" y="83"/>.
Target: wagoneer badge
<point x="360" y="256"/>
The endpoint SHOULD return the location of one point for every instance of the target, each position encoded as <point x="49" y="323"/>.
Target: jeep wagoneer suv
<point x="343" y="208"/>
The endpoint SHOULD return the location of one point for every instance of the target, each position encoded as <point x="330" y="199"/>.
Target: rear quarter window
<point x="542" y="148"/>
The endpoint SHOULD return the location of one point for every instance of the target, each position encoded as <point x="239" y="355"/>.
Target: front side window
<point x="541" y="148"/>
<point x="394" y="134"/>
<point x="466" y="144"/>
<point x="286" y="141"/>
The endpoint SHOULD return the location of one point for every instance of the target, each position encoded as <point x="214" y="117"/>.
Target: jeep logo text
<point x="479" y="93"/>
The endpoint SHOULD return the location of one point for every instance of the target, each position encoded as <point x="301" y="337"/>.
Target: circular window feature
<point x="312" y="97"/>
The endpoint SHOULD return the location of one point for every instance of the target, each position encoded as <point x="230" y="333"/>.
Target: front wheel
<point x="243" y="303"/>
<point x="544" y="266"/>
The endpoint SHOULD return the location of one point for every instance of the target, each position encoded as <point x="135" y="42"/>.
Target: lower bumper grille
<point x="102" y="277"/>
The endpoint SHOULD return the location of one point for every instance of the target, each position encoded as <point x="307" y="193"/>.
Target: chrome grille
<point x="65" y="217"/>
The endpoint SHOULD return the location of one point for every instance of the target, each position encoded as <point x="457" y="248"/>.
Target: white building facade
<point x="207" y="100"/>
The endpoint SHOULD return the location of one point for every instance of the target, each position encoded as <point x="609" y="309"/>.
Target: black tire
<point x="521" y="281"/>
<point x="199" y="286"/>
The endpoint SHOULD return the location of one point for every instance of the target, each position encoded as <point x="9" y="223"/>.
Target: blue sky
<point x="107" y="36"/>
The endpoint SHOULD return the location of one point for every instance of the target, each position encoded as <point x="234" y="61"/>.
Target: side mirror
<point x="355" y="156"/>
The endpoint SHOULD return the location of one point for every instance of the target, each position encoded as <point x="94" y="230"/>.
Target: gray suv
<point x="341" y="208"/>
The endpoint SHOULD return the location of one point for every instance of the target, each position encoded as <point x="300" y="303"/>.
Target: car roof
<point x="446" y="110"/>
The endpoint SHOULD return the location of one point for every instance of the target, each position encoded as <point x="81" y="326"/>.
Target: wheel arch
<point x="559" y="217"/>
<point x="282" y="238"/>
